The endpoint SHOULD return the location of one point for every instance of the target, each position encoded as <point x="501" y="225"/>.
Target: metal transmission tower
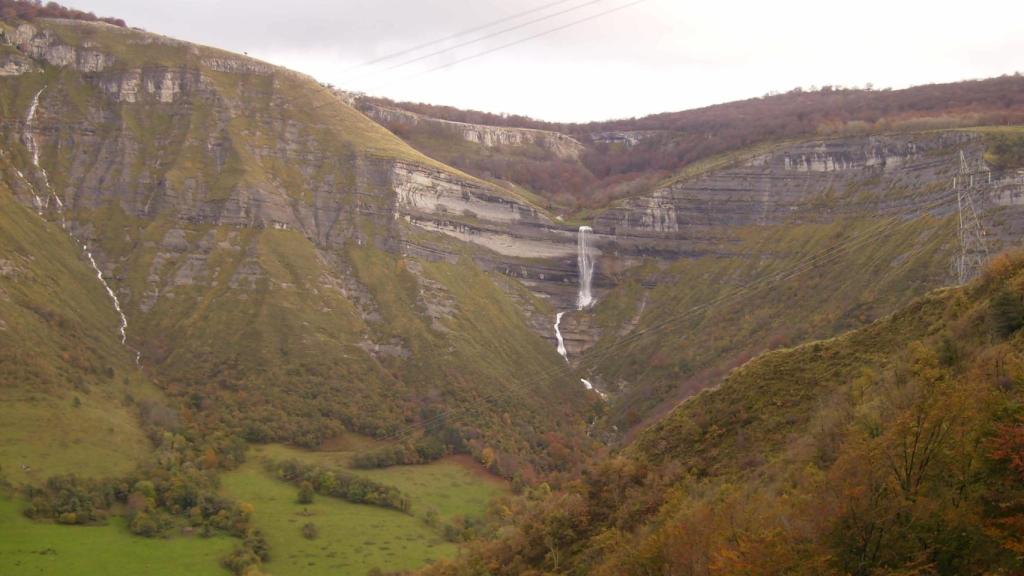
<point x="973" y="249"/>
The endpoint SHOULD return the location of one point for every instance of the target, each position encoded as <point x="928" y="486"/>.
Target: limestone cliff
<point x="261" y="237"/>
<point x="201" y="175"/>
<point x="561" y="145"/>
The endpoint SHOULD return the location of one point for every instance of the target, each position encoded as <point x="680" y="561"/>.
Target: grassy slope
<point x="59" y="343"/>
<point x="356" y="538"/>
<point x="352" y="538"/>
<point x="760" y="407"/>
<point x="289" y="340"/>
<point x="880" y="269"/>
<point x="29" y="548"/>
<point x="872" y="452"/>
<point x="452" y="486"/>
<point x="892" y="449"/>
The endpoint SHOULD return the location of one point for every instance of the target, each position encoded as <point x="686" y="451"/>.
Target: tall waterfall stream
<point x="33" y="148"/>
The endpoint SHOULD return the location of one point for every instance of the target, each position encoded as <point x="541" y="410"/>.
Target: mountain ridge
<point x="293" y="275"/>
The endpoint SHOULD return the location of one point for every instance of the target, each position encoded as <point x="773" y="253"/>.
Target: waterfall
<point x="590" y="386"/>
<point x="585" y="264"/>
<point x="30" y="143"/>
<point x="33" y="148"/>
<point x="558" y="336"/>
<point x="110" y="292"/>
<point x="584" y="297"/>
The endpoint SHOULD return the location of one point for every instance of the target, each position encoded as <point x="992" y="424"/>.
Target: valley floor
<point x="351" y="538"/>
<point x="30" y="548"/>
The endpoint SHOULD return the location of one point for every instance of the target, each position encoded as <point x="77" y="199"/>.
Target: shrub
<point x="338" y="484"/>
<point x="144" y="525"/>
<point x="1007" y="312"/>
<point x="306" y="493"/>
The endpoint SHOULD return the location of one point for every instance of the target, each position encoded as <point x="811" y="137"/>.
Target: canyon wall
<point x="561" y="145"/>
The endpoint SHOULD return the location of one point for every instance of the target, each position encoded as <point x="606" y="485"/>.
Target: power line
<point x="334" y="95"/>
<point x="490" y="35"/>
<point x="507" y="44"/>
<point x="456" y="35"/>
<point x="538" y="35"/>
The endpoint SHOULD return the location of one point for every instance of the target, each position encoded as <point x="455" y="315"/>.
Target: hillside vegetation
<point x="339" y="353"/>
<point x="69" y="390"/>
<point x="722" y="311"/>
<point x="894" y="449"/>
<point x="29" y="10"/>
<point x="245" y="219"/>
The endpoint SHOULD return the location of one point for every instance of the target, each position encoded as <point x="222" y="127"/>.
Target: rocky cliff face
<point x="815" y="182"/>
<point x="560" y="145"/>
<point x="624" y="137"/>
<point x="44" y="45"/>
<point x="754" y="218"/>
<point x="264" y="238"/>
<point x="812" y="181"/>
<point x="194" y="171"/>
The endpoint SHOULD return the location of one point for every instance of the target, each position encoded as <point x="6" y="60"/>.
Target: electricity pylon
<point x="973" y="249"/>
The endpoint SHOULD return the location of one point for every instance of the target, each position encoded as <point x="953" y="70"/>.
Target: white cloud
<point x="661" y="55"/>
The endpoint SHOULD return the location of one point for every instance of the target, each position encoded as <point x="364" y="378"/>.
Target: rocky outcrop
<point x="16" y="65"/>
<point x="239" y="66"/>
<point x="421" y="189"/>
<point x="512" y="237"/>
<point x="159" y="84"/>
<point x="240" y="160"/>
<point x="43" y="44"/>
<point x="624" y="137"/>
<point x="560" y="145"/>
<point x="813" y="181"/>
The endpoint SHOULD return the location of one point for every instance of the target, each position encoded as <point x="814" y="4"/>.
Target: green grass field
<point x="64" y="374"/>
<point x="49" y="437"/>
<point x="352" y="539"/>
<point x="452" y="486"/>
<point x="28" y="548"/>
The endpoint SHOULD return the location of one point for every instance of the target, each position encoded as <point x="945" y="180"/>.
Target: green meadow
<point x="453" y="486"/>
<point x="28" y="548"/>
<point x="351" y="538"/>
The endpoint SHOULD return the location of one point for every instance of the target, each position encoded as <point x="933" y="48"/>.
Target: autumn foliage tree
<point x="912" y="462"/>
<point x="29" y="10"/>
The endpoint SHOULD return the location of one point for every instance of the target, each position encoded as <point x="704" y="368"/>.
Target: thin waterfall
<point x="585" y="264"/>
<point x="33" y="148"/>
<point x="590" y="386"/>
<point x="30" y="143"/>
<point x="558" y="336"/>
<point x="110" y="292"/>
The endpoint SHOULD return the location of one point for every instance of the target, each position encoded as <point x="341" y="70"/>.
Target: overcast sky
<point x="654" y="56"/>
